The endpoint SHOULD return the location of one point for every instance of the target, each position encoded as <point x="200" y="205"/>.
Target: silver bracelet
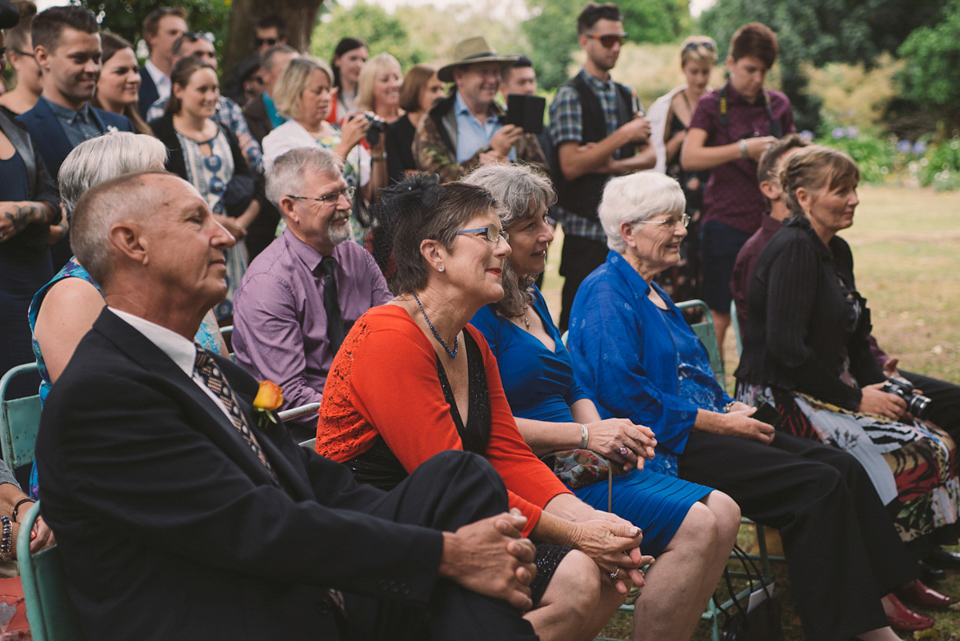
<point x="584" y="436"/>
<point x="744" y="152"/>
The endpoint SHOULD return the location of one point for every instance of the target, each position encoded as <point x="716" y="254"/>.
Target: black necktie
<point x="335" y="329"/>
<point x="213" y="378"/>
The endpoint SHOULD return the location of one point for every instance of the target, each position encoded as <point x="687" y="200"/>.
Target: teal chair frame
<point x="19" y="421"/>
<point x="50" y="612"/>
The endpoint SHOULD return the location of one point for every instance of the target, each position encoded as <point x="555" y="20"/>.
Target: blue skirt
<point x="655" y="503"/>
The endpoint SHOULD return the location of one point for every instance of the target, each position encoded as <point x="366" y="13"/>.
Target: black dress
<point x="379" y="467"/>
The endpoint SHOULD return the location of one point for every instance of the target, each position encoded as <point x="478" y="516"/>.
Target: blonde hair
<point x="698" y="49"/>
<point x="371" y="69"/>
<point x="814" y="168"/>
<point x="292" y="81"/>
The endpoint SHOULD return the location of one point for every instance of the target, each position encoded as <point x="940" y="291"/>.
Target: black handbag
<point x="762" y="623"/>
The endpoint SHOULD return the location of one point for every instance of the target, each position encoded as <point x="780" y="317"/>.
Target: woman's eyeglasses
<point x="608" y="39"/>
<point x="682" y="219"/>
<point x="490" y="233"/>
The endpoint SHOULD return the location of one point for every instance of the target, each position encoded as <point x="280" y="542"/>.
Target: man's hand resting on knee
<point x="490" y="557"/>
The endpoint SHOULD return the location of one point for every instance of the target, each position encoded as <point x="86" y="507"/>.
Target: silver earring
<point x="440" y="268"/>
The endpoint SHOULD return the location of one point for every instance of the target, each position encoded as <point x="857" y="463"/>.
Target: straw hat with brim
<point x="471" y="51"/>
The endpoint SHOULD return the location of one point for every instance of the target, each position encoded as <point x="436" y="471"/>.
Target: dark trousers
<point x="446" y="492"/>
<point x="579" y="257"/>
<point x="944" y="401"/>
<point x="843" y="553"/>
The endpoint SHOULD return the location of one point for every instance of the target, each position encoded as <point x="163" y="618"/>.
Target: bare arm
<point x="15" y="216"/>
<point x="577" y="160"/>
<point x="696" y="156"/>
<point x="66" y="315"/>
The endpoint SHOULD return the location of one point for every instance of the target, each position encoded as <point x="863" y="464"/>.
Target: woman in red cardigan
<point x="413" y="379"/>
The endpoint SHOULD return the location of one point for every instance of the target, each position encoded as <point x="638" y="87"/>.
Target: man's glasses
<point x="266" y="41"/>
<point x="331" y="198"/>
<point x="27" y="54"/>
<point x="683" y="219"/>
<point x="608" y="39"/>
<point x="490" y="233"/>
<point x="693" y="46"/>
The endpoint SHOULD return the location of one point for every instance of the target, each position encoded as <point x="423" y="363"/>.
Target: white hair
<point x="635" y="198"/>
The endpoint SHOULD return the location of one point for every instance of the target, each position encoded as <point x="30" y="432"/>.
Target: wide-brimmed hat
<point x="472" y="51"/>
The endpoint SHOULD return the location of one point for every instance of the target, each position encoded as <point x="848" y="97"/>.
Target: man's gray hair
<point x="124" y="197"/>
<point x="269" y="56"/>
<point x="635" y="198"/>
<point x="286" y="176"/>
<point x="98" y="159"/>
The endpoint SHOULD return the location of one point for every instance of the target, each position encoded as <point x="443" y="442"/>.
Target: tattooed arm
<point x="15" y="216"/>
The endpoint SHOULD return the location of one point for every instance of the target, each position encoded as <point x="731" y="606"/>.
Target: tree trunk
<point x="300" y="16"/>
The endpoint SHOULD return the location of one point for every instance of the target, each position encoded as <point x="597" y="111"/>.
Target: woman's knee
<point x="698" y="531"/>
<point x="726" y="511"/>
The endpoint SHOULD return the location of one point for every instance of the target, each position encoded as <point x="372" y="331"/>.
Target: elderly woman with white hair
<point x="637" y="358"/>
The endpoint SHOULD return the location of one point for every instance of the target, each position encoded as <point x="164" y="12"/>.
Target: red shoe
<point x="916" y="593"/>
<point x="904" y="619"/>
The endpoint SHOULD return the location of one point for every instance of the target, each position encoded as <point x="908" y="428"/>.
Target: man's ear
<point x="42" y="56"/>
<point x="771" y="189"/>
<point x="127" y="238"/>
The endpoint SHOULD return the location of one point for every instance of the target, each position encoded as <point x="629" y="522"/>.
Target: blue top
<point x="472" y="135"/>
<point x="638" y="361"/>
<point x="539" y="383"/>
<point x="13" y="177"/>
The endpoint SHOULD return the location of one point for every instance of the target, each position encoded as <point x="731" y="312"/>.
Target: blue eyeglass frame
<point x="488" y="235"/>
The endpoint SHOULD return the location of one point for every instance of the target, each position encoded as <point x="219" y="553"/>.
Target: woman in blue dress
<point x="688" y="528"/>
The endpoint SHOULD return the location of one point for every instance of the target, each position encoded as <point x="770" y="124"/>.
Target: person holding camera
<point x="302" y="94"/>
<point x="806" y="351"/>
<point x="466" y="129"/>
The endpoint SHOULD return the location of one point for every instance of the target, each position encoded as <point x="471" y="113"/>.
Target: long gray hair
<point x="522" y="193"/>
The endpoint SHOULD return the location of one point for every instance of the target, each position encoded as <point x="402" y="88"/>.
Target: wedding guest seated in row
<point x="208" y="155"/>
<point x="687" y="528"/>
<point x="64" y="309"/>
<point x="806" y="351"/>
<point x="304" y="292"/>
<point x="636" y="357"/>
<point x="181" y="512"/>
<point x="413" y="379"/>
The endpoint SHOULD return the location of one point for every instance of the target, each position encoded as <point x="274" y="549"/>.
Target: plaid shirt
<point x="565" y="118"/>
<point x="230" y="116"/>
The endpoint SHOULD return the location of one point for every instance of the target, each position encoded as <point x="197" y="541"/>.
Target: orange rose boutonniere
<point x="269" y="399"/>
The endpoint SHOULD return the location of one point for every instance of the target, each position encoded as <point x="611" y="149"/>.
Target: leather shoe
<point x="944" y="559"/>
<point x="931" y="574"/>
<point x="904" y="619"/>
<point x="916" y="593"/>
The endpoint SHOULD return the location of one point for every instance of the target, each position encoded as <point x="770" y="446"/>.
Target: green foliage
<point x="370" y="23"/>
<point x="876" y="156"/>
<point x="942" y="166"/>
<point x="855" y="94"/>
<point x="125" y="17"/>
<point x="553" y="28"/>
<point x="822" y="31"/>
<point x="932" y="72"/>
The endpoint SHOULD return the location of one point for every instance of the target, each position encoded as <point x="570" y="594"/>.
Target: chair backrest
<point x="707" y="335"/>
<point x="299" y="412"/>
<point x="50" y="612"/>
<point x="19" y="421"/>
<point x="735" y="326"/>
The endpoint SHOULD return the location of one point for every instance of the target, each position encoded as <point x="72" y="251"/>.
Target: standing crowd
<point x="475" y="470"/>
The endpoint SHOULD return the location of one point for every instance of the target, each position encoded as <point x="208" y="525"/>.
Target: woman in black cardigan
<point x="208" y="156"/>
<point x="806" y="352"/>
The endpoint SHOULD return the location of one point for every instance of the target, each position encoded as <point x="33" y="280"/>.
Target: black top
<point x="806" y="322"/>
<point x="379" y="467"/>
<point x="399" y="147"/>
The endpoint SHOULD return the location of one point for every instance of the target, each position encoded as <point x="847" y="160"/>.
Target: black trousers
<point x="579" y="257"/>
<point x="945" y="401"/>
<point x="842" y="551"/>
<point x="446" y="492"/>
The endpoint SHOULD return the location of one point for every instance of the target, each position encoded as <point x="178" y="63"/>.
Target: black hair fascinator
<point x="420" y="188"/>
<point x="414" y="196"/>
<point x="9" y="15"/>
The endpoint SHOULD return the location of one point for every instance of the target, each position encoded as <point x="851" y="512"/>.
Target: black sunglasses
<point x="706" y="44"/>
<point x="608" y="39"/>
<point x="266" y="41"/>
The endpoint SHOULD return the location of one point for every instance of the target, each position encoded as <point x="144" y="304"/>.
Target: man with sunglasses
<point x="271" y="31"/>
<point x="161" y="29"/>
<point x="302" y="294"/>
<point x="598" y="131"/>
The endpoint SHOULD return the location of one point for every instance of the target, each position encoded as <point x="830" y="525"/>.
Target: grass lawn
<point x="906" y="244"/>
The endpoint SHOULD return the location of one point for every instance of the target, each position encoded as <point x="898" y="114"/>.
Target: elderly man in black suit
<point x="184" y="513"/>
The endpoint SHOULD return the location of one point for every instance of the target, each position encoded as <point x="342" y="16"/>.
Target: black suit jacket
<point x="148" y="92"/>
<point x="171" y="528"/>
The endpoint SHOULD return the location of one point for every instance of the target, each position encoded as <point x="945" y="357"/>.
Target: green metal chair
<point x="707" y="335"/>
<point x="50" y="612"/>
<point x="19" y="421"/>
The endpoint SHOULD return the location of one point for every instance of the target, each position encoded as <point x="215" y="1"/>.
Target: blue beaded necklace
<point x="456" y="346"/>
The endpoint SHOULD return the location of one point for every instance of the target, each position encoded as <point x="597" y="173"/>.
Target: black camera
<point x="376" y="129"/>
<point x="917" y="404"/>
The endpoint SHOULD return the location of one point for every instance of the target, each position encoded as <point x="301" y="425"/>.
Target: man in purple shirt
<point x="729" y="129"/>
<point x="302" y="294"/>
